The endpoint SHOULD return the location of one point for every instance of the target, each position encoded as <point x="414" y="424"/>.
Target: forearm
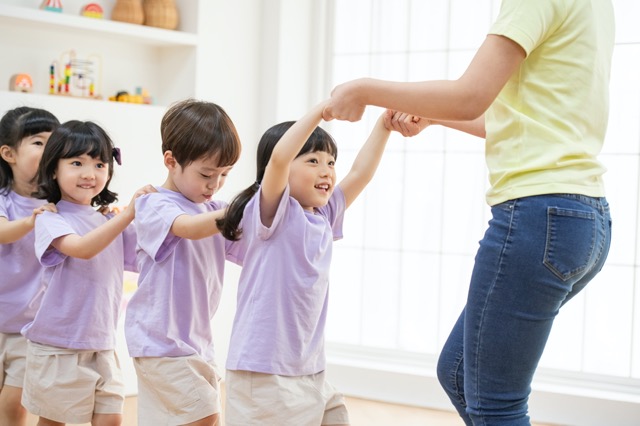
<point x="294" y="139"/>
<point x="197" y="226"/>
<point x="13" y="230"/>
<point x="473" y="127"/>
<point x="93" y="242"/>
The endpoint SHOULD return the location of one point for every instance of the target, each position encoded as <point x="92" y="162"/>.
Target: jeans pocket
<point x="570" y="244"/>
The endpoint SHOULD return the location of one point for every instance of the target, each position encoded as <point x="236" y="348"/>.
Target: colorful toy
<point x="21" y="83"/>
<point x="76" y="77"/>
<point x="92" y="10"/>
<point x="140" y="97"/>
<point x="52" y="5"/>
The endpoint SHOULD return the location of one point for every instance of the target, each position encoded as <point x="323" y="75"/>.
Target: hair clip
<point x="117" y="155"/>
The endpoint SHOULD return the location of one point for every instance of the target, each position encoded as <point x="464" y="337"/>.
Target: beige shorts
<point x="13" y="359"/>
<point x="176" y="390"/>
<point x="268" y="399"/>
<point x="70" y="385"/>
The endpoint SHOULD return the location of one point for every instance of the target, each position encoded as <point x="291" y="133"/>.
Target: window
<point x="400" y="275"/>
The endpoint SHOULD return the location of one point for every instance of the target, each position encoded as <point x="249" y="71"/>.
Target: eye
<point x="313" y="160"/>
<point x="205" y="176"/>
<point x="76" y="163"/>
<point x="100" y="166"/>
<point x="332" y="163"/>
<point x="39" y="143"/>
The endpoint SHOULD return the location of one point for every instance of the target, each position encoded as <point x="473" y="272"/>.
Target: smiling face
<point x="24" y="161"/>
<point x="81" y="178"/>
<point x="199" y="180"/>
<point x="312" y="178"/>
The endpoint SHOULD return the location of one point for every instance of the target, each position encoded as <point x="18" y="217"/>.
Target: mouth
<point x="86" y="186"/>
<point x="323" y="187"/>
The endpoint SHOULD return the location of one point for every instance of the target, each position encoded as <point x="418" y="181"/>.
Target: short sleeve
<point x="155" y="215"/>
<point x="334" y="212"/>
<point x="50" y="226"/>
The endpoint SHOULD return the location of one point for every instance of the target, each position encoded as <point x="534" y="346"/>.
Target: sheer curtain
<point x="400" y="275"/>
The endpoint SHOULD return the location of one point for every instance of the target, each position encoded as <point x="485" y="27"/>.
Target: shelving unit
<point x="165" y="62"/>
<point x="161" y="61"/>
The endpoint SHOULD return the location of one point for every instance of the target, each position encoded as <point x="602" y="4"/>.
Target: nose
<point x="213" y="183"/>
<point x="88" y="173"/>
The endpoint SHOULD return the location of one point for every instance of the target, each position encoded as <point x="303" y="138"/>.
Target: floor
<point x="362" y="412"/>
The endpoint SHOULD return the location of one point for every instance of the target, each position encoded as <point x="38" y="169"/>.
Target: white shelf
<point x="43" y="20"/>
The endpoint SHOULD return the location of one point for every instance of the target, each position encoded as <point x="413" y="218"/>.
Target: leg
<point x="46" y="422"/>
<point x="11" y="410"/>
<point x="207" y="421"/>
<point x="537" y="253"/>
<point x="451" y="369"/>
<point x="106" y="419"/>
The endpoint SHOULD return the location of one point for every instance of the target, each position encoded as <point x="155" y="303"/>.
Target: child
<point x="73" y="373"/>
<point x="550" y="230"/>
<point x="288" y="220"/>
<point x="24" y="132"/>
<point x="181" y="262"/>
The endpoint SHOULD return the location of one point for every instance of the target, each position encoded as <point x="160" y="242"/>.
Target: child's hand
<point x="147" y="189"/>
<point x="405" y="124"/>
<point x="49" y="207"/>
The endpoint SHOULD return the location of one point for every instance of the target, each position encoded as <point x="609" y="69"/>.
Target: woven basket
<point x="161" y="14"/>
<point x="130" y="11"/>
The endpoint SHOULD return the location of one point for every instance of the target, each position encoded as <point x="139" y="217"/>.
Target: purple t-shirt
<point x="180" y="281"/>
<point x="284" y="288"/>
<point x="20" y="285"/>
<point x="81" y="301"/>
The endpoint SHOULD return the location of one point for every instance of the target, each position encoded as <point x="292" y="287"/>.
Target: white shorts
<point x="13" y="359"/>
<point x="71" y="385"/>
<point x="176" y="390"/>
<point x="268" y="399"/>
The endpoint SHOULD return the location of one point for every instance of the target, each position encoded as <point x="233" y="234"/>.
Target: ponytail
<point x="229" y="225"/>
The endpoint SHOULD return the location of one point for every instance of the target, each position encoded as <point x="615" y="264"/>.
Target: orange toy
<point x="92" y="10"/>
<point x="21" y="83"/>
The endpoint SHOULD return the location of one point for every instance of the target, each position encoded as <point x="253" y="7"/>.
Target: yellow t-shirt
<point x="547" y="125"/>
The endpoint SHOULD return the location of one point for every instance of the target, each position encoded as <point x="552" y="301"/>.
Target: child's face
<point x="312" y="178"/>
<point x="81" y="178"/>
<point x="199" y="180"/>
<point x="26" y="159"/>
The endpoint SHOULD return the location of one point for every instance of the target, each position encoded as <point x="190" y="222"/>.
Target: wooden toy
<point x="92" y="10"/>
<point x="21" y="83"/>
<point x="52" y="5"/>
<point x="76" y="77"/>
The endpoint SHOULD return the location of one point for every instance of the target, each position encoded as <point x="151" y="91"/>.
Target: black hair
<point x="16" y="125"/>
<point x="72" y="139"/>
<point x="193" y="129"/>
<point x="319" y="140"/>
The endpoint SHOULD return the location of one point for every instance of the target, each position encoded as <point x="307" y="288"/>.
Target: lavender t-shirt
<point x="283" y="289"/>
<point x="20" y="285"/>
<point x="180" y="281"/>
<point x="81" y="301"/>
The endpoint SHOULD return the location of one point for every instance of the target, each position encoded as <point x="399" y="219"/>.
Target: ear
<point x="8" y="154"/>
<point x="169" y="160"/>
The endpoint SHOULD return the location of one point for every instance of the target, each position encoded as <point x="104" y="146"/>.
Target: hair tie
<point x="117" y="155"/>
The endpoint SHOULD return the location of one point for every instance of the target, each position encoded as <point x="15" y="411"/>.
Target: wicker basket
<point x="161" y="14"/>
<point x="130" y="11"/>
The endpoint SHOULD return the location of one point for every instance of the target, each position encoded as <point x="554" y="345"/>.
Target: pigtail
<point x="229" y="225"/>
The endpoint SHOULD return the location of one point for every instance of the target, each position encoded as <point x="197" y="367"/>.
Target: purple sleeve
<point x="154" y="217"/>
<point x="130" y="240"/>
<point x="50" y="226"/>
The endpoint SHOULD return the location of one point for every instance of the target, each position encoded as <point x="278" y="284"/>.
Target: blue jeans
<point x="537" y="253"/>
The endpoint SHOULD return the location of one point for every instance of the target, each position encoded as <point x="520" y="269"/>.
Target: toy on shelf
<point x="21" y="83"/>
<point x="128" y="11"/>
<point x="76" y="77"/>
<point x="92" y="10"/>
<point x="52" y="5"/>
<point x="140" y="97"/>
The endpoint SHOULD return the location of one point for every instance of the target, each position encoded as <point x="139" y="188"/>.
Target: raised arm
<point x="276" y="175"/>
<point x="451" y="100"/>
<point x="367" y="160"/>
<point x="410" y="125"/>
<point x="93" y="242"/>
<point x="12" y="230"/>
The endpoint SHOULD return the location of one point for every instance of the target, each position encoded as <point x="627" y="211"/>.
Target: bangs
<point x="35" y="123"/>
<point x="322" y="141"/>
<point x="86" y="143"/>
